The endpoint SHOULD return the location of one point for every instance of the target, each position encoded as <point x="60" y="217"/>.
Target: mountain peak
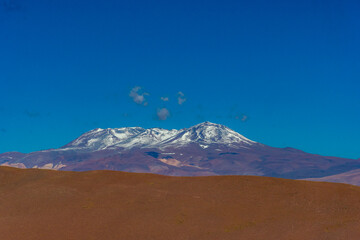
<point x="208" y="133"/>
<point x="208" y="123"/>
<point x="130" y="137"/>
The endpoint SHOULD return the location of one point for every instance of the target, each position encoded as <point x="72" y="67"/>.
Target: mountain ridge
<point x="201" y="150"/>
<point x="130" y="137"/>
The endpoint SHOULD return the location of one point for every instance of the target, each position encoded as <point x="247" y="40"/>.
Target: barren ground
<point x="51" y="205"/>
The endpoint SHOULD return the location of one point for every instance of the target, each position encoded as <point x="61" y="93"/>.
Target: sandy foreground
<point x="51" y="205"/>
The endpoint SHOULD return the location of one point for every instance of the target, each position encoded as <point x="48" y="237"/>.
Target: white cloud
<point x="163" y="113"/>
<point x="165" y="99"/>
<point x="181" y="98"/>
<point x="137" y="96"/>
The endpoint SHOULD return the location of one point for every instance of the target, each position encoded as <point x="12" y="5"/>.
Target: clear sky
<point x="283" y="73"/>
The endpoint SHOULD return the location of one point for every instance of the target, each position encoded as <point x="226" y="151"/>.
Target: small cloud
<point x="163" y="114"/>
<point x="243" y="118"/>
<point x="138" y="97"/>
<point x="32" y="114"/>
<point x="181" y="98"/>
<point x="165" y="99"/>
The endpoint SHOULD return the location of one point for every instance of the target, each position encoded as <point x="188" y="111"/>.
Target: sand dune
<point x="45" y="204"/>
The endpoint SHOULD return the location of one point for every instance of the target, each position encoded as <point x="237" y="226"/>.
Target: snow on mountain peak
<point x="129" y="137"/>
<point x="208" y="133"/>
<point x="102" y="138"/>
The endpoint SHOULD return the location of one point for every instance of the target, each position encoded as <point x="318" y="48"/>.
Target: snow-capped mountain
<point x="130" y="137"/>
<point x="204" y="149"/>
<point x="208" y="133"/>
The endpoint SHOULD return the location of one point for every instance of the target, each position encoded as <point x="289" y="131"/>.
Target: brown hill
<point x="43" y="204"/>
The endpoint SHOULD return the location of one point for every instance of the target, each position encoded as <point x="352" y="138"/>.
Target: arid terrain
<point x="46" y="204"/>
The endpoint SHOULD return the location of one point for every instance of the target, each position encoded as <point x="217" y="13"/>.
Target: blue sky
<point x="284" y="73"/>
